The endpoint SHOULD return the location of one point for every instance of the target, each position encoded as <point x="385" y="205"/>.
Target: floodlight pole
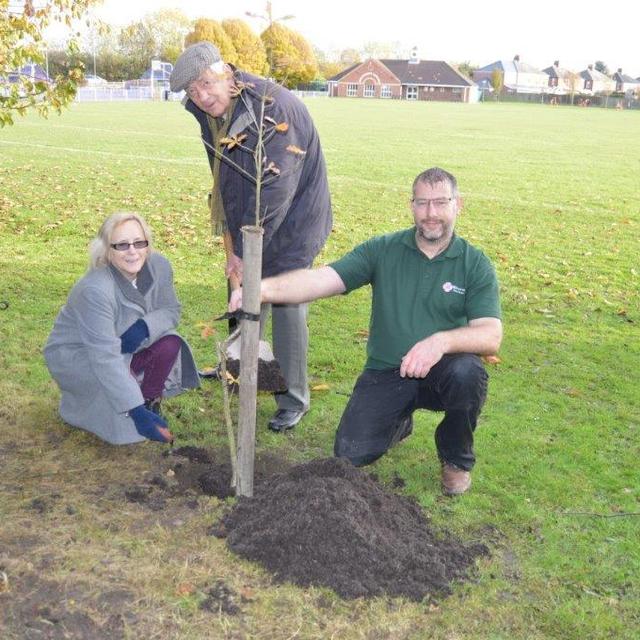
<point x="270" y="20"/>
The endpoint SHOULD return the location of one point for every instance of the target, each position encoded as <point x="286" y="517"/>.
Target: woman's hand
<point x="134" y="336"/>
<point x="150" y="425"/>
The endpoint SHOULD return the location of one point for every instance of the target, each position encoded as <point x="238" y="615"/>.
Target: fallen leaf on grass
<point x="573" y="393"/>
<point x="206" y="330"/>
<point x="247" y="594"/>
<point x="185" y="589"/>
<point x="492" y="359"/>
<point x="320" y="387"/>
<point x="363" y="333"/>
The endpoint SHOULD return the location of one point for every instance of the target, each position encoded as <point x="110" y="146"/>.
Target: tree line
<point x="125" y="54"/>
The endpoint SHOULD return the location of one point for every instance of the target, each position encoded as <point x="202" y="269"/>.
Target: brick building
<point x="412" y="79"/>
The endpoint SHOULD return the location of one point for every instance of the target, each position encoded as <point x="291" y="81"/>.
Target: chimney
<point x="414" y="59"/>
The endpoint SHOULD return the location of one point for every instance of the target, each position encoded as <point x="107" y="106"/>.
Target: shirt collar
<point x="454" y="249"/>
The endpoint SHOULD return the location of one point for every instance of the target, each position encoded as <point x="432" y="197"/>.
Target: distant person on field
<point x="295" y="205"/>
<point x="113" y="349"/>
<point x="435" y="309"/>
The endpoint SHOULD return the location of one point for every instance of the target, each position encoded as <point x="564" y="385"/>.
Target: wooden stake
<point x="250" y="336"/>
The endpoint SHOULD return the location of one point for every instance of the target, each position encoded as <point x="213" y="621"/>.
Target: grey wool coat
<point x="83" y="349"/>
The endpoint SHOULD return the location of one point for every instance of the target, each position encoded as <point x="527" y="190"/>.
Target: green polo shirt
<point x="413" y="296"/>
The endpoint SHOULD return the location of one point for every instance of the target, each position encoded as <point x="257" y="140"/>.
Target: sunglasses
<point x="124" y="246"/>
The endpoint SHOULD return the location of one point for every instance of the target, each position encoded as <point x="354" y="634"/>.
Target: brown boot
<point x="455" y="481"/>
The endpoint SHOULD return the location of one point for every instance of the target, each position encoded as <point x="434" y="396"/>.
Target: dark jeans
<point x="156" y="363"/>
<point x="381" y="400"/>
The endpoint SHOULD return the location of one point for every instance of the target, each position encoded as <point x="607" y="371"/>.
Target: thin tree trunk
<point x="250" y="336"/>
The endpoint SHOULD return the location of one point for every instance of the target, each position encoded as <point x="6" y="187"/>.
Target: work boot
<point x="455" y="481"/>
<point x="154" y="405"/>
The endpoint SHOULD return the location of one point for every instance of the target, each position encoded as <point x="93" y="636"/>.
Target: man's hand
<point x="235" y="301"/>
<point x="421" y="357"/>
<point x="234" y="267"/>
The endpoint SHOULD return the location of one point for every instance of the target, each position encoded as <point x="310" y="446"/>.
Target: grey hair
<point x="100" y="245"/>
<point x="435" y="176"/>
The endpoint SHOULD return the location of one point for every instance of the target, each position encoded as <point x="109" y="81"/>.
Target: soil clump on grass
<point x="192" y="471"/>
<point x="328" y="523"/>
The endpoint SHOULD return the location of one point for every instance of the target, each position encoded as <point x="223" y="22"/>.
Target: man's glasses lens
<point x="124" y="246"/>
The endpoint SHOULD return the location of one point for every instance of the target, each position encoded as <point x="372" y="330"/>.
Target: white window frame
<point x="352" y="90"/>
<point x="369" y="90"/>
<point x="385" y="91"/>
<point x="412" y="92"/>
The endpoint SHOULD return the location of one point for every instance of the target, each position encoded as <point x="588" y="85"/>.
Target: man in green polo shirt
<point x="435" y="309"/>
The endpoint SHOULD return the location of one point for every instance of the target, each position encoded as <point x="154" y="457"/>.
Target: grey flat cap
<point x="192" y="62"/>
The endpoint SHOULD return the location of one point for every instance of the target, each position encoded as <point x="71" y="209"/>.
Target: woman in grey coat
<point x="113" y="350"/>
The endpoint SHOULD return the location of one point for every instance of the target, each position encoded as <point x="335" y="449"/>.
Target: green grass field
<point x="551" y="195"/>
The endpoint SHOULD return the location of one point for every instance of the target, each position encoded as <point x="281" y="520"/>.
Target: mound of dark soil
<point x="270" y="376"/>
<point x="330" y="524"/>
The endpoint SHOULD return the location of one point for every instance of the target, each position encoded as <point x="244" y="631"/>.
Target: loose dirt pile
<point x="330" y="524"/>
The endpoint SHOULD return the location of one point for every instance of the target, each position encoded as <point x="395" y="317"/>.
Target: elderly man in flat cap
<point x="295" y="203"/>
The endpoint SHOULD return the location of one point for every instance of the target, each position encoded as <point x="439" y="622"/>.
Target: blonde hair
<point x="101" y="244"/>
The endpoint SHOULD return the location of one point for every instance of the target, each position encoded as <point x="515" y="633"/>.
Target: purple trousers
<point x="156" y="362"/>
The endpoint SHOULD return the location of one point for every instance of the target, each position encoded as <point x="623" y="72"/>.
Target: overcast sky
<point x="478" y="31"/>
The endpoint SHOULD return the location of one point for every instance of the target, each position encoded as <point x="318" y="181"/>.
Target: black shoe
<point x="154" y="405"/>
<point x="212" y="373"/>
<point x="285" y="419"/>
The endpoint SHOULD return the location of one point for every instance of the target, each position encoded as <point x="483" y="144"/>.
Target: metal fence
<point x="126" y="91"/>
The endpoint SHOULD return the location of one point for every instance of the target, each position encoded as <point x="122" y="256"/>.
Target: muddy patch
<point x="327" y="523"/>
<point x="192" y="471"/>
<point x="54" y="610"/>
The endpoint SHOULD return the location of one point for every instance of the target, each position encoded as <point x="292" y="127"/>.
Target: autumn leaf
<point x="297" y="150"/>
<point x="363" y="333"/>
<point x="247" y="594"/>
<point x="231" y="380"/>
<point x="234" y="141"/>
<point x="185" y="589"/>
<point x="573" y="393"/>
<point x="492" y="359"/>
<point x="283" y="127"/>
<point x="206" y="330"/>
<point x="320" y="387"/>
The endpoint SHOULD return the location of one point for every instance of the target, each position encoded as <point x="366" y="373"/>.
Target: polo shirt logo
<point x="448" y="287"/>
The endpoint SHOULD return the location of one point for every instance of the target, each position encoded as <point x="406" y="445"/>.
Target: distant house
<point x="517" y="77"/>
<point x="562" y="81"/>
<point x="594" y="82"/>
<point x="413" y="79"/>
<point x="625" y="83"/>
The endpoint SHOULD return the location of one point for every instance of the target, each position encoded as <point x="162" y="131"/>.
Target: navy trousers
<point x="382" y="401"/>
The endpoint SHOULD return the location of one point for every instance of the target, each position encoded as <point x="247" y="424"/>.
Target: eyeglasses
<point x="124" y="246"/>
<point x="438" y="203"/>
